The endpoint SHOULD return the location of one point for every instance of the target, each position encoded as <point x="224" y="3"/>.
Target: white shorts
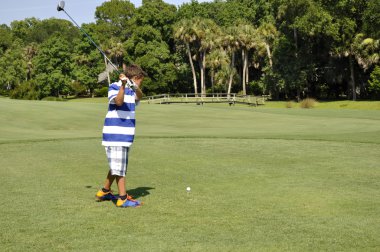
<point x="117" y="159"/>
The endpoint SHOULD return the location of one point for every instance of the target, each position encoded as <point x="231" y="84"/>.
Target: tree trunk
<point x="204" y="73"/>
<point x="201" y="72"/>
<point x="212" y="81"/>
<point x="231" y="74"/>
<point x="192" y="69"/>
<point x="353" y="84"/>
<point x="201" y="61"/>
<point x="245" y="69"/>
<point x="269" y="55"/>
<point x="243" y="73"/>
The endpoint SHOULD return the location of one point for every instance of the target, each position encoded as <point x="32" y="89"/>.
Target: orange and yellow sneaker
<point x="128" y="202"/>
<point x="102" y="196"/>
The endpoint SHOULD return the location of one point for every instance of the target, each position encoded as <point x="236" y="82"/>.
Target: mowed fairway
<point x="262" y="179"/>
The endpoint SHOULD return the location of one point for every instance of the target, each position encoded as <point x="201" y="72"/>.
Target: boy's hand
<point x="133" y="86"/>
<point x="123" y="79"/>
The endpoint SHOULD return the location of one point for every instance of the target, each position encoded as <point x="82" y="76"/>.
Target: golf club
<point x="61" y="7"/>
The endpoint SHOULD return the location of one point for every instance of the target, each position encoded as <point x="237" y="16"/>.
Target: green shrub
<point x="374" y="82"/>
<point x="256" y="87"/>
<point x="4" y="92"/>
<point x="308" y="103"/>
<point x="78" y="88"/>
<point x="25" y="91"/>
<point x="289" y="104"/>
<point x="101" y="92"/>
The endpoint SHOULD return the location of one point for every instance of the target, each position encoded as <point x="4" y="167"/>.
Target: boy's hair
<point x="134" y="71"/>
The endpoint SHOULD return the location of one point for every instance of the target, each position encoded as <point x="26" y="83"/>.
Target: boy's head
<point x="134" y="72"/>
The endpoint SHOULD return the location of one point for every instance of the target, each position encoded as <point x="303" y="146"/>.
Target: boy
<point x="119" y="131"/>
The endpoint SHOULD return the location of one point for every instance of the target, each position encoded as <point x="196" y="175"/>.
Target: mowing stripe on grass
<point x="261" y="179"/>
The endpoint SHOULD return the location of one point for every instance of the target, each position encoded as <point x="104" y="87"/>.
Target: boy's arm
<point x="119" y="99"/>
<point x="138" y="93"/>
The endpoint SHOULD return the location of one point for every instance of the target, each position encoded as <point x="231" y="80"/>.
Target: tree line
<point x="289" y="49"/>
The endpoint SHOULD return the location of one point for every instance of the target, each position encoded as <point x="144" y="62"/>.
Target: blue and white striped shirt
<point x="119" y="125"/>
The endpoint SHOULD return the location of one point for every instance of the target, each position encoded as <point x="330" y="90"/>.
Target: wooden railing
<point x="231" y="99"/>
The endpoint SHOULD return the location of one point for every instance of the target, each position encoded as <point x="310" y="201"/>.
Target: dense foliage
<point x="290" y="49"/>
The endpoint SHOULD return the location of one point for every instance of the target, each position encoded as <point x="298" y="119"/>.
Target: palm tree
<point x="248" y="39"/>
<point x="355" y="47"/>
<point x="116" y="52"/>
<point x="217" y="59"/>
<point x="207" y="33"/>
<point x="368" y="51"/>
<point x="183" y="32"/>
<point x="231" y="44"/>
<point x="223" y="75"/>
<point x="268" y="34"/>
<point x="29" y="52"/>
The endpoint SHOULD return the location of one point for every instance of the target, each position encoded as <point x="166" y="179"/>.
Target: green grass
<point x="90" y="100"/>
<point x="357" y="105"/>
<point x="262" y="179"/>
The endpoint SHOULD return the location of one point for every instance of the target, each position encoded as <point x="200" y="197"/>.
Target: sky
<point x="82" y="11"/>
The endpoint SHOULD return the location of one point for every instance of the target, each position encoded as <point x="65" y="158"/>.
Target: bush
<point x="256" y="87"/>
<point x="101" y="92"/>
<point x="289" y="104"/>
<point x="4" y="92"/>
<point x="374" y="82"/>
<point x="308" y="103"/>
<point x="78" y="88"/>
<point x="25" y="91"/>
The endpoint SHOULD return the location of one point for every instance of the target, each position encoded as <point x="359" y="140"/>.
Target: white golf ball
<point x="188" y="189"/>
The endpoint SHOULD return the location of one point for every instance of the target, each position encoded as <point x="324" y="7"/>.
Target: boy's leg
<point x="124" y="199"/>
<point x="118" y="162"/>
<point x="121" y="186"/>
<point x="105" y="193"/>
<point x="109" y="180"/>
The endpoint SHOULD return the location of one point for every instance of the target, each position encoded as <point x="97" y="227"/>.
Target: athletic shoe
<point x="101" y="196"/>
<point x="128" y="202"/>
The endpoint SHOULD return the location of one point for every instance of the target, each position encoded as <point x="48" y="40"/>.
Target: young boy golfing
<point x="119" y="131"/>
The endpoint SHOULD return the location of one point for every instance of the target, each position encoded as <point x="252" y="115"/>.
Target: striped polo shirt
<point x="119" y="124"/>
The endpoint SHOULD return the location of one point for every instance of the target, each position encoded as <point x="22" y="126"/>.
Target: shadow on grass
<point x="139" y="192"/>
<point x="136" y="193"/>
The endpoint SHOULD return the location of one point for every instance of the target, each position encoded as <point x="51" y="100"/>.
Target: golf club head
<point x="61" y="6"/>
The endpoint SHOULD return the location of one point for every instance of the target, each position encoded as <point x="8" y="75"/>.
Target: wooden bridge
<point x="230" y="99"/>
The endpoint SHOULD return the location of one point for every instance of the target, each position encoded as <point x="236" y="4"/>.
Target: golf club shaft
<point x="92" y="41"/>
